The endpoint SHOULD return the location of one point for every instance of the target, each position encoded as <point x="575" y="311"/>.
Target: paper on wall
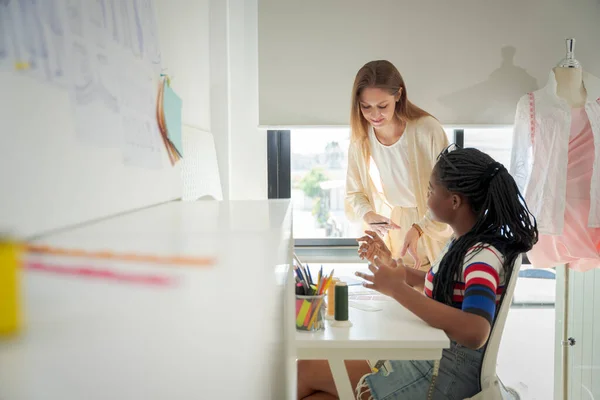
<point x="52" y="27"/>
<point x="105" y="53"/>
<point x="6" y="36"/>
<point x="30" y="48"/>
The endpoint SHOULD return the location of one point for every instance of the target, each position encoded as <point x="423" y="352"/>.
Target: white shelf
<point x="206" y="335"/>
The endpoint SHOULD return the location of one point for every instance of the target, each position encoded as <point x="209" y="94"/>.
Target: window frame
<point x="279" y="154"/>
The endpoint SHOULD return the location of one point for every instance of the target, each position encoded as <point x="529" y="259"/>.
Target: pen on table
<point x="300" y="267"/>
<point x="304" y="274"/>
<point x="297" y="259"/>
<point x="303" y="281"/>
<point x="306" y="287"/>
<point x="305" y="270"/>
<point x="310" y="279"/>
<point x="300" y="273"/>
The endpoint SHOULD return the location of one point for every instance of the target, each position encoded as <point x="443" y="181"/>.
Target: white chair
<point x="491" y="386"/>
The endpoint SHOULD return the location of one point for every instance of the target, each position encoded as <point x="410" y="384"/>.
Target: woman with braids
<point x="461" y="292"/>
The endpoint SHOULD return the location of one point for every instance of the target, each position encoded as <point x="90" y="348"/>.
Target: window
<point x="309" y="166"/>
<point x="318" y="163"/>
<point x="497" y="142"/>
<point x="319" y="159"/>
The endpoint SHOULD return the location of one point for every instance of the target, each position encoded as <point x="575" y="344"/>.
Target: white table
<point x="393" y="333"/>
<point x="208" y="335"/>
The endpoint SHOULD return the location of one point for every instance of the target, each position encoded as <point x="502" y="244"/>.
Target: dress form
<point x="569" y="86"/>
<point x="569" y="78"/>
<point x="579" y="243"/>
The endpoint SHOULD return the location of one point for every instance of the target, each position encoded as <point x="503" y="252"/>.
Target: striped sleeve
<point x="481" y="274"/>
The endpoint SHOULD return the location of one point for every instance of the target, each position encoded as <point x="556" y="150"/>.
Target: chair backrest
<point x="490" y="357"/>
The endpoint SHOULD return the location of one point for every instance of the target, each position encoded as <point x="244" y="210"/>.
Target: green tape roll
<point x="341" y="301"/>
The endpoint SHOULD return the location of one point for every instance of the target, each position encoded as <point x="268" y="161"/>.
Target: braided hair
<point x="503" y="219"/>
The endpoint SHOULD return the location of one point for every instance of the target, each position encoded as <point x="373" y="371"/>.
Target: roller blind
<point x="465" y="61"/>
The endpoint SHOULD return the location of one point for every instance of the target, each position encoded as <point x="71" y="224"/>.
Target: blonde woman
<point x="401" y="141"/>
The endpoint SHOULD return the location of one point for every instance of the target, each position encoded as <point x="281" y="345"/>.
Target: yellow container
<point x="331" y="298"/>
<point x="10" y="268"/>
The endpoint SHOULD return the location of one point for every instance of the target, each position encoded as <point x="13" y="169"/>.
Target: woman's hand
<point x="387" y="276"/>
<point x="411" y="240"/>
<point x="372" y="245"/>
<point x="379" y="223"/>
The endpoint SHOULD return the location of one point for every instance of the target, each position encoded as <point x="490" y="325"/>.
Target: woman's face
<point x="377" y="106"/>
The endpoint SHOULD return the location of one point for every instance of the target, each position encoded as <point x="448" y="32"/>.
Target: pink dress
<point x="579" y="245"/>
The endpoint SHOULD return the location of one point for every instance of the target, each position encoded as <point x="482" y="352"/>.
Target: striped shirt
<point x="481" y="284"/>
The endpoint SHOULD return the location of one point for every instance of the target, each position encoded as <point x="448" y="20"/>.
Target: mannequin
<point x="569" y="78"/>
<point x="569" y="85"/>
<point x="553" y="163"/>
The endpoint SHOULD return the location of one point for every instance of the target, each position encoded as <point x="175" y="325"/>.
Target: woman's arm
<point x="415" y="278"/>
<point x="467" y="329"/>
<point x="357" y="202"/>
<point x="469" y="326"/>
<point x="435" y="230"/>
<point x="371" y="246"/>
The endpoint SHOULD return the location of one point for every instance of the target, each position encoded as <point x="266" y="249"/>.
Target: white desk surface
<point x="204" y="336"/>
<point x="392" y="333"/>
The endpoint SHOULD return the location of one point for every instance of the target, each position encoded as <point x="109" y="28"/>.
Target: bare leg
<point x="315" y="378"/>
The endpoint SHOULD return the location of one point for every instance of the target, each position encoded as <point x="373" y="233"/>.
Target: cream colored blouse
<point x="425" y="140"/>
<point x="397" y="187"/>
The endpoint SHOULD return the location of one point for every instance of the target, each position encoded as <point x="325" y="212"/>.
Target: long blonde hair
<point x="380" y="74"/>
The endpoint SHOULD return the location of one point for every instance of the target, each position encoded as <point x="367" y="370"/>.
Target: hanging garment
<point x="540" y="149"/>
<point x="579" y="244"/>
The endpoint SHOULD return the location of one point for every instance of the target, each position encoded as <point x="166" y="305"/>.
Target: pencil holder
<point x="310" y="313"/>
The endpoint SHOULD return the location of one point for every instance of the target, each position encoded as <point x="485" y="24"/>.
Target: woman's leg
<point x="315" y="378"/>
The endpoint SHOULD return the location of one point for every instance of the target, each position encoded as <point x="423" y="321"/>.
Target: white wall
<point x="49" y="179"/>
<point x="467" y="62"/>
<point x="219" y="86"/>
<point x="248" y="143"/>
<point x="52" y="174"/>
<point x="199" y="166"/>
<point x="210" y="49"/>
<point x="185" y="38"/>
<point x="241" y="146"/>
<point x="184" y="43"/>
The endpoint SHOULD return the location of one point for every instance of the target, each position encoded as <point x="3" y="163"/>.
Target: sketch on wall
<point x="105" y="53"/>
